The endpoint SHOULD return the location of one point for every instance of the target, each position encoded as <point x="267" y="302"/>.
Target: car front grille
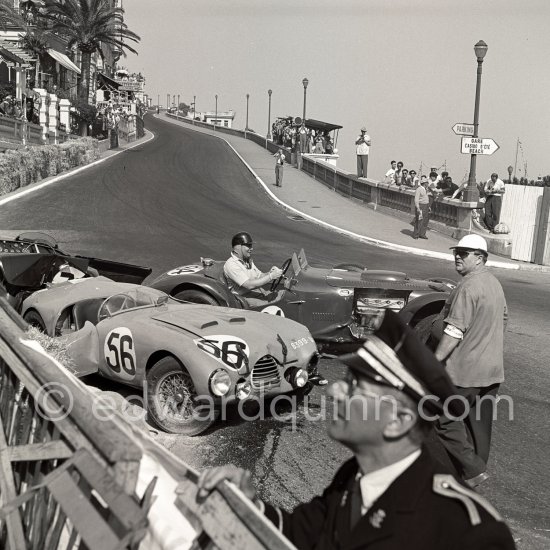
<point x="266" y="373"/>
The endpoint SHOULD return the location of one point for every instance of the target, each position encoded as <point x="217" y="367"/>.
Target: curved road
<point x="182" y="196"/>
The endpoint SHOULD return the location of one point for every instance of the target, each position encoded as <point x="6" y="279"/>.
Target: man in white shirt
<point x="362" y="148"/>
<point x="392" y="494"/>
<point x="493" y="189"/>
<point x="388" y="177"/>
<point x="243" y="277"/>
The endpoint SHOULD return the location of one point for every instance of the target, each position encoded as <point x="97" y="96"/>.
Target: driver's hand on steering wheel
<point x="275" y="272"/>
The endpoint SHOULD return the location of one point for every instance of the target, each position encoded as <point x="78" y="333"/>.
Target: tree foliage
<point x="89" y="25"/>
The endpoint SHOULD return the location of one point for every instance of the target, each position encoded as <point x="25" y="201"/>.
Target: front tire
<point x="172" y="400"/>
<point x="35" y="320"/>
<point x="196" y="297"/>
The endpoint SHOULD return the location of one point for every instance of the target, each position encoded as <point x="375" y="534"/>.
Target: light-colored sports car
<point x="190" y="359"/>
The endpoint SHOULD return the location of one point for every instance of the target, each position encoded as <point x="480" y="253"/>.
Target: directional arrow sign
<point x="463" y="129"/>
<point x="478" y="146"/>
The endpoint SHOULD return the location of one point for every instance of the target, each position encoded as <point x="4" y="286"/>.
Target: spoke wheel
<point x="172" y="400"/>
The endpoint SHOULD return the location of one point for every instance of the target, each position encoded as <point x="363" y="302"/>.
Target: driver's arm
<point x="265" y="278"/>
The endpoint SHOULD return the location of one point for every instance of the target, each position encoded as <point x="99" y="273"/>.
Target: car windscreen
<point x="131" y="299"/>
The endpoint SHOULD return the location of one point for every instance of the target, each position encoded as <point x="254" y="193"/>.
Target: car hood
<point x="376" y="278"/>
<point x="207" y="320"/>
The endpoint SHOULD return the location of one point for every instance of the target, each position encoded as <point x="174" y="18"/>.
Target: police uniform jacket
<point x="424" y="508"/>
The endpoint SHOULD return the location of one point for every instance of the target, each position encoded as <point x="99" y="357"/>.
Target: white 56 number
<point x="119" y="352"/>
<point x="229" y="350"/>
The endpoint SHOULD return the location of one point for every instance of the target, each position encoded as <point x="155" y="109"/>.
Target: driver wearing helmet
<point x="243" y="277"/>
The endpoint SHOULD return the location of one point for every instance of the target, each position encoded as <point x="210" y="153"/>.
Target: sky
<point x="405" y="69"/>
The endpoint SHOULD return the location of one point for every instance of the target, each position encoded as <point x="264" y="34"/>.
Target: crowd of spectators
<point x="288" y="133"/>
<point x="438" y="184"/>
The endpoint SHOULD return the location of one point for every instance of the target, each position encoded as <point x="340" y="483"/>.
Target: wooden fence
<point x="66" y="480"/>
<point x="70" y="481"/>
<point x="525" y="211"/>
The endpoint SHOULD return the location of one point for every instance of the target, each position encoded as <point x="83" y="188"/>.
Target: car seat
<point x="87" y="310"/>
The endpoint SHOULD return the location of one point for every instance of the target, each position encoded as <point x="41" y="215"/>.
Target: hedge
<point x="22" y="167"/>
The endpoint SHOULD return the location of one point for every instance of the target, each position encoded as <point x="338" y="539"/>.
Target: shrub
<point x="25" y="166"/>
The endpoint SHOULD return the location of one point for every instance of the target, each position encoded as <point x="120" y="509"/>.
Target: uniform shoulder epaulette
<point x="447" y="486"/>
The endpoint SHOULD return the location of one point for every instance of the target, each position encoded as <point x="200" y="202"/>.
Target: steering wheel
<point x="284" y="268"/>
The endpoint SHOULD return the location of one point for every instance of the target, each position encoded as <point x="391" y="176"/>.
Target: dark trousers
<point x="279" y="175"/>
<point x="493" y="205"/>
<point x="468" y="441"/>
<point x="420" y="225"/>
<point x="362" y="165"/>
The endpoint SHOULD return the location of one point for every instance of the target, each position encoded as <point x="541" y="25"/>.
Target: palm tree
<point x="89" y="25"/>
<point x="34" y="41"/>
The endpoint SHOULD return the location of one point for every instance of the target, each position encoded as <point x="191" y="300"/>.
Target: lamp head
<point x="269" y="92"/>
<point x="305" y="82"/>
<point x="247" y="96"/>
<point x="480" y="49"/>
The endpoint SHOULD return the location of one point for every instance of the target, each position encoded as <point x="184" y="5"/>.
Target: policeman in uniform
<point x="391" y="495"/>
<point x="243" y="277"/>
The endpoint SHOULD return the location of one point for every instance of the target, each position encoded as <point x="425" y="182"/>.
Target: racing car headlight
<point x="297" y="377"/>
<point x="243" y="390"/>
<point x="220" y="382"/>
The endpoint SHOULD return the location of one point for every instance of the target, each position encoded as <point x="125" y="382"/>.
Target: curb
<point x="36" y="186"/>
<point x="363" y="238"/>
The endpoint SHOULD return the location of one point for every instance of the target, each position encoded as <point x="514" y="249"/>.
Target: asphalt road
<point x="182" y="196"/>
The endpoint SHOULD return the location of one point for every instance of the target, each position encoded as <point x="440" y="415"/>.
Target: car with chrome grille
<point x="339" y="305"/>
<point x="190" y="360"/>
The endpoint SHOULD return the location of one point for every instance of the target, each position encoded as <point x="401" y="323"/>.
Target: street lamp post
<point x="471" y="193"/>
<point x="305" y="82"/>
<point x="178" y="108"/>
<point x="269" y="92"/>
<point x="216" y="119"/>
<point x="246" y="127"/>
<point x="167" y="101"/>
<point x="194" y="108"/>
<point x="158" y="104"/>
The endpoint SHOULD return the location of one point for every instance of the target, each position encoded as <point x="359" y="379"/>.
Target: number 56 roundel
<point x="120" y="354"/>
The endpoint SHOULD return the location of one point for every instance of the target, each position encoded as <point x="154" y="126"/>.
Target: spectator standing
<point x="421" y="210"/>
<point x="493" y="190"/>
<point x="362" y="149"/>
<point x="413" y="179"/>
<point x="303" y="141"/>
<point x="438" y="178"/>
<point x="449" y="187"/>
<point x="280" y="160"/>
<point x="397" y="173"/>
<point x="471" y="348"/>
<point x="388" y="176"/>
<point x="319" y="149"/>
<point x="391" y="495"/>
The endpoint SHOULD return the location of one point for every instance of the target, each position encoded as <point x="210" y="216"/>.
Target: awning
<point x="62" y="59"/>
<point x="323" y="126"/>
<point x="108" y="81"/>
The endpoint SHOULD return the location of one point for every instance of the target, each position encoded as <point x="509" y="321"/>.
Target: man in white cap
<point x="362" y="144"/>
<point x="472" y="350"/>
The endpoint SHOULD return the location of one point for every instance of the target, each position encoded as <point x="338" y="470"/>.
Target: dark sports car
<point x="339" y="305"/>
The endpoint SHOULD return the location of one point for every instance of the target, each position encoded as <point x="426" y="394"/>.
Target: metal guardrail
<point x="66" y="480"/>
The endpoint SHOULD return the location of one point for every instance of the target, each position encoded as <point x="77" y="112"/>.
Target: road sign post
<point x="463" y="129"/>
<point x="478" y="146"/>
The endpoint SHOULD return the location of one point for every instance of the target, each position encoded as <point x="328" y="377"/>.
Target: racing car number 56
<point x="119" y="352"/>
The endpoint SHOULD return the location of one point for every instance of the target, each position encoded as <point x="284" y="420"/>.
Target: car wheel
<point x="35" y="320"/>
<point x="172" y="400"/>
<point x="424" y="330"/>
<point x="196" y="297"/>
